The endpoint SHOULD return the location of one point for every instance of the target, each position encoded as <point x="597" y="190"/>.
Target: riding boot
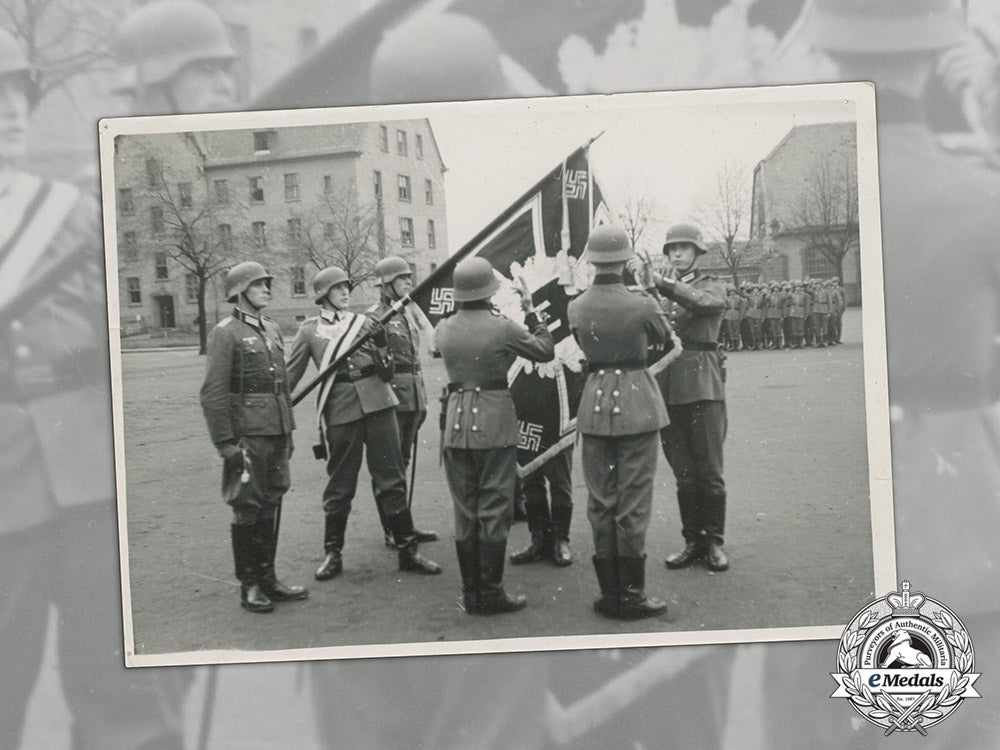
<point x="467" y="551"/>
<point x="333" y="544"/>
<point x="714" y="524"/>
<point x="607" y="578"/>
<point x="252" y="596"/>
<point x="267" y="540"/>
<point x="633" y="602"/>
<point x="561" y="517"/>
<point x="493" y="599"/>
<point x="689" y="504"/>
<point x="410" y="560"/>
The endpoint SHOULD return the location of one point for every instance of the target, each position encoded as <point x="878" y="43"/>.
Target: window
<point x="405" y="232"/>
<point x="429" y="192"/>
<point x="383" y="138"/>
<point x="134" y="290"/>
<point x="816" y="264"/>
<point x="184" y="194"/>
<point x="156" y="219"/>
<point x="162" y="273"/>
<point x="431" y="234"/>
<point x="126" y="207"/>
<point x="401" y="142"/>
<point x="191" y="287"/>
<point x="418" y="145"/>
<point x="130" y="247"/>
<point x="404" y="188"/>
<point x="294" y="231"/>
<point x="327" y="184"/>
<point x="152" y="173"/>
<point x="259" y="234"/>
<point x="292" y="186"/>
<point x="298" y="281"/>
<point x="263" y="141"/>
<point x="222" y="192"/>
<point x="378" y="185"/>
<point x="225" y="234"/>
<point x="256" y="189"/>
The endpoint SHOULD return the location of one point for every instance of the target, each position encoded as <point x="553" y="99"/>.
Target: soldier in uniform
<point x="694" y="392"/>
<point x="246" y="402"/>
<point x="548" y="522"/>
<point x="480" y="429"/>
<point x="395" y="279"/>
<point x="756" y="303"/>
<point x="837" y="305"/>
<point x="176" y="59"/>
<point x="58" y="533"/>
<point x="798" y="311"/>
<point x="356" y="415"/>
<point x="820" y="316"/>
<point x="775" y="313"/>
<point x="620" y="416"/>
<point x="731" y="319"/>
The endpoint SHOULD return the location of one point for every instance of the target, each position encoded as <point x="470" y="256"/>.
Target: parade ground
<point x="798" y="531"/>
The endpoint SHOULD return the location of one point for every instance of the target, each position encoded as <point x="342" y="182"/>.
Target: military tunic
<point x="694" y="392"/>
<point x="820" y="316"/>
<point x="480" y="431"/>
<point x="798" y="311"/>
<point x="755" y="316"/>
<point x="775" y="305"/>
<point x="731" y="320"/>
<point x="621" y="411"/>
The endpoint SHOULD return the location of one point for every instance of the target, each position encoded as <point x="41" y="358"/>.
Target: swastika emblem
<point x="442" y="301"/>
<point x="529" y="436"/>
<point x="575" y="184"/>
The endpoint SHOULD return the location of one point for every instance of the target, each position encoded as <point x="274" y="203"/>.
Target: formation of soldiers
<point x="783" y="315"/>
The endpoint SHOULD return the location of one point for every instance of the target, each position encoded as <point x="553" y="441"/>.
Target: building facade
<point x="805" y="206"/>
<point x="295" y="199"/>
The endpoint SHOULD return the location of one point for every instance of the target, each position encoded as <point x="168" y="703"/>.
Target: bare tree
<point x="63" y="39"/>
<point x="635" y="214"/>
<point x="724" y="216"/>
<point x="827" y="212"/>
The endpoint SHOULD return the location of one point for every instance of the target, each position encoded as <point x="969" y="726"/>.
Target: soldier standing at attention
<point x="798" y="311"/>
<point x="694" y="392"/>
<point x="480" y="430"/>
<point x="820" y="316"/>
<point x="755" y="314"/>
<point x="356" y="415"/>
<point x="731" y="321"/>
<point x="245" y="398"/>
<point x="620" y="416"/>
<point x="395" y="279"/>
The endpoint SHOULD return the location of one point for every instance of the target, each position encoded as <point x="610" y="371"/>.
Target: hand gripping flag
<point x="536" y="242"/>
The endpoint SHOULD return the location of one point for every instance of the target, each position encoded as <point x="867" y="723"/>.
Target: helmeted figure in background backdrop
<point x="756" y="302"/>
<point x="356" y="415"/>
<point x="942" y="362"/>
<point x="246" y="401"/>
<point x="820" y="315"/>
<point x="773" y="316"/>
<point x="57" y="515"/>
<point x="619" y="419"/>
<point x="176" y="58"/>
<point x="731" y="319"/>
<point x="693" y="389"/>
<point x="798" y="311"/>
<point x="395" y="279"/>
<point x="838" y="303"/>
<point x="480" y="435"/>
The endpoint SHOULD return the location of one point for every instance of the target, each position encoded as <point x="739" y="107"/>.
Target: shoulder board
<point x="224" y="322"/>
<point x="639" y="291"/>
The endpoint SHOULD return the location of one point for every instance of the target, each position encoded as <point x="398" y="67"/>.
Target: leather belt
<point x="631" y="365"/>
<point x="700" y="346"/>
<point x="350" y="376"/>
<point x="477" y="385"/>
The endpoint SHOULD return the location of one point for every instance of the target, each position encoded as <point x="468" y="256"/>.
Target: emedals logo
<point x="906" y="662"/>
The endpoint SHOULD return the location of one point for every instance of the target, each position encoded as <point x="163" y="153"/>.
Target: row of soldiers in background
<point x="787" y="314"/>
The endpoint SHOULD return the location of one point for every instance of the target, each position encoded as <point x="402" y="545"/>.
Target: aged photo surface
<point x="736" y="387"/>
<point x="934" y="66"/>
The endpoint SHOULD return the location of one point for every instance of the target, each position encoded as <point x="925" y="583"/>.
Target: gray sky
<point x="675" y="150"/>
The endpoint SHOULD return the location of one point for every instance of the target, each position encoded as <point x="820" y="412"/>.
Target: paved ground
<point x="798" y="531"/>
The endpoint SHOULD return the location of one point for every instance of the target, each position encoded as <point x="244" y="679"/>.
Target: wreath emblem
<point x="905" y="662"/>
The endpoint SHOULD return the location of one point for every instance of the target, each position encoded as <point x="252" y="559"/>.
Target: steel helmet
<point x="328" y="278"/>
<point x="884" y="26"/>
<point x="12" y="57"/>
<point x="689" y="233"/>
<point x="159" y="39"/>
<point x="607" y="244"/>
<point x="438" y="56"/>
<point x="391" y="268"/>
<point x="474" y="279"/>
<point x="242" y="275"/>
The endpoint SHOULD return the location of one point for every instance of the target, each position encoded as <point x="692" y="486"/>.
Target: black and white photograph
<point x="65" y="64"/>
<point x="498" y="376"/>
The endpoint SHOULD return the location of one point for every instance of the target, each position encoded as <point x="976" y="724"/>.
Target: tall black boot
<point x="561" y="517"/>
<point x="608" y="603"/>
<point x="493" y="599"/>
<point x="410" y="560"/>
<point x="252" y="596"/>
<point x="467" y="551"/>
<point x="714" y="523"/>
<point x="688" y="502"/>
<point x="333" y="544"/>
<point x="634" y="604"/>
<point x="390" y="542"/>
<point x="266" y="536"/>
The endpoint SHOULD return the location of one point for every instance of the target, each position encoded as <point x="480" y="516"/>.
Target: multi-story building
<point x="805" y="206"/>
<point x="297" y="199"/>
